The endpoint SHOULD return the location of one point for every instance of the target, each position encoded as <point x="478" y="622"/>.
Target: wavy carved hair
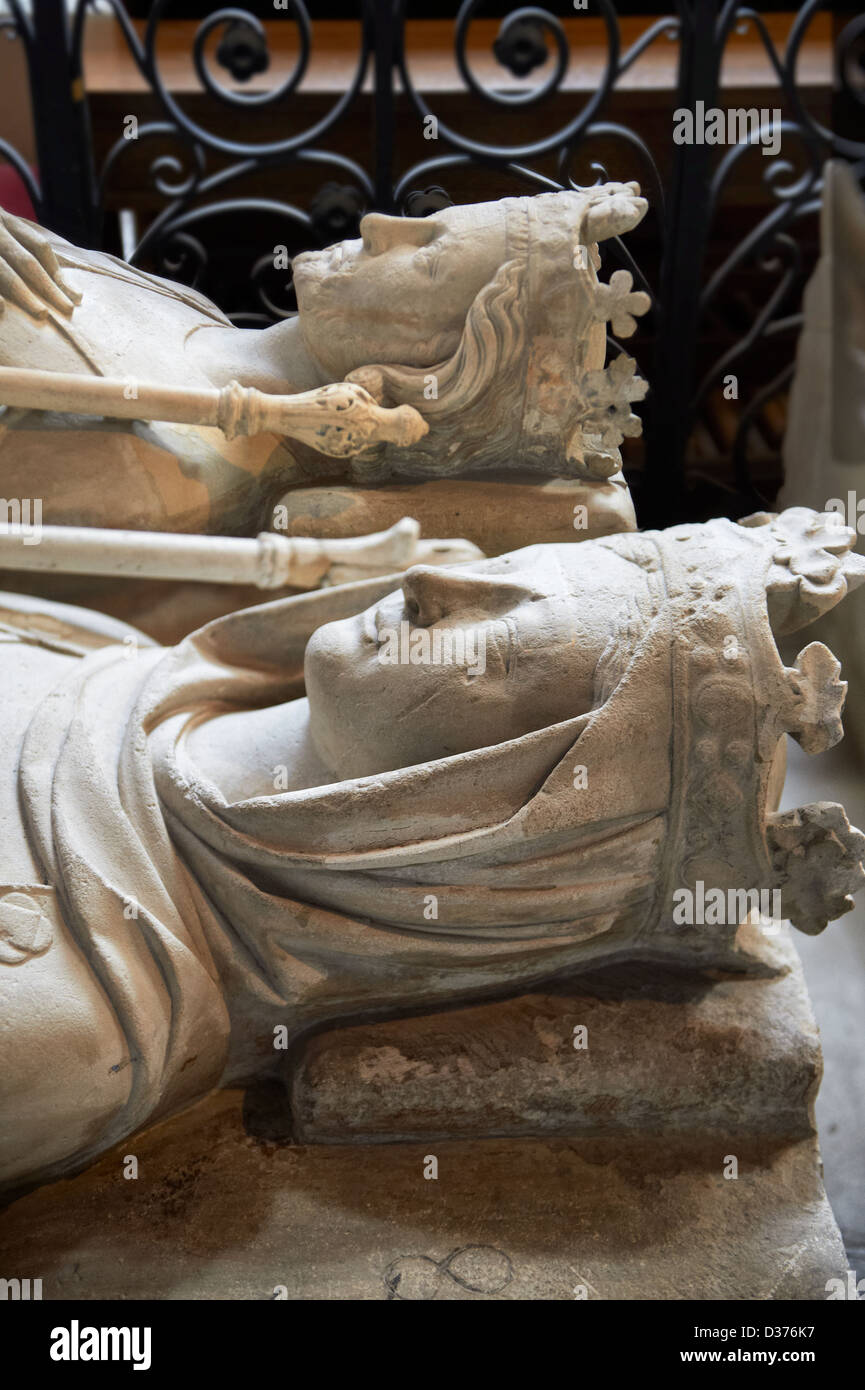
<point x="475" y="413"/>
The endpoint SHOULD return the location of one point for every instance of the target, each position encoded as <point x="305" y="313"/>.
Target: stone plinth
<point x="663" y="1052"/>
<point x="214" y="1214"/>
<point x="684" y="1081"/>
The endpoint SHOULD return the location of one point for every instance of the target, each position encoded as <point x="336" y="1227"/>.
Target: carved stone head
<point x="491" y="321"/>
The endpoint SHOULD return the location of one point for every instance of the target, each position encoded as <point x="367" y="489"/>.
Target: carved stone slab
<point x="216" y="1212"/>
<point x="661" y="1052"/>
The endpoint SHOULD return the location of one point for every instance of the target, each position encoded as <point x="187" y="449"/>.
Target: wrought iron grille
<point x="198" y="174"/>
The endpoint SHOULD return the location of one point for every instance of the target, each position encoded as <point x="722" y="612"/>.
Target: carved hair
<point x="527" y="387"/>
<point x="473" y="400"/>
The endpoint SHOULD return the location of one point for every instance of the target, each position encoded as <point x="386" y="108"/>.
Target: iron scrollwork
<point x="794" y="195"/>
<point x="202" y="201"/>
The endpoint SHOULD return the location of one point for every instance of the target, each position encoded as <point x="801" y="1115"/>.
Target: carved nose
<point x="380" y="232"/>
<point x="433" y="593"/>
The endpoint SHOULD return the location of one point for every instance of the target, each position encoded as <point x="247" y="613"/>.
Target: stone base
<point x="611" y="1178"/>
<point x="516" y="511"/>
<point x="663" y="1052"/>
<point x="215" y="1214"/>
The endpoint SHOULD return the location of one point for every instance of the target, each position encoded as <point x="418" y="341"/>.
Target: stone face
<point x="664" y="1052"/>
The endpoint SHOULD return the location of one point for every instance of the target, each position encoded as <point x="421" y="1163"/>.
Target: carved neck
<point x="271" y="359"/>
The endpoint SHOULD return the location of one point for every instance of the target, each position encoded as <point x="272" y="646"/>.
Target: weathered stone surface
<point x="216" y="1214"/>
<point x="667" y="1053"/>
<point x="631" y="1206"/>
<point x="494" y="518"/>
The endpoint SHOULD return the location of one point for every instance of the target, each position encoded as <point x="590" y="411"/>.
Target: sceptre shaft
<point x="340" y="419"/>
<point x="269" y="561"/>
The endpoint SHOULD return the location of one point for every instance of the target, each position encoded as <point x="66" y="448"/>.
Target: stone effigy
<point x="499" y="301"/>
<point x="478" y="865"/>
<point x="498" y="774"/>
<point x="468" y="343"/>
